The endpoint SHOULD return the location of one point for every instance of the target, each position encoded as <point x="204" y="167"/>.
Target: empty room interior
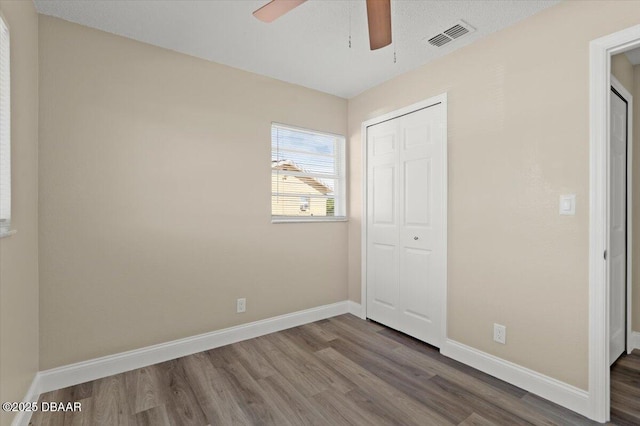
<point x="328" y="212"/>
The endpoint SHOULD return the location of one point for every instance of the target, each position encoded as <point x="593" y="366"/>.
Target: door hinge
<point x="605" y="255"/>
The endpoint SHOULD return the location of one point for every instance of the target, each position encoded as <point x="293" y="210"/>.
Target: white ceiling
<point x="308" y="46"/>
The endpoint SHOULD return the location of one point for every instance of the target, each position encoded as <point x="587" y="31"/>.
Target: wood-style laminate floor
<point x="340" y="371"/>
<point x="625" y="390"/>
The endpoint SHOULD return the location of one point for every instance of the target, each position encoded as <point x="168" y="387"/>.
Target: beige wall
<point x="518" y="138"/>
<point x="142" y="239"/>
<point x="19" y="253"/>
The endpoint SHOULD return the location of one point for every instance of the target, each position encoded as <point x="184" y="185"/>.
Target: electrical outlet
<point x="241" y="305"/>
<point x="500" y="333"/>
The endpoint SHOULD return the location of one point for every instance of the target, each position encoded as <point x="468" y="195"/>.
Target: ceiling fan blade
<point x="379" y="17"/>
<point x="275" y="9"/>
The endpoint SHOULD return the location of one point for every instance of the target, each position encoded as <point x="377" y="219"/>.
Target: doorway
<point x="601" y="51"/>
<point x="404" y="250"/>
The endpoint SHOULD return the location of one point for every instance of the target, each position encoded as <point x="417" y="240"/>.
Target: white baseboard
<point x="355" y="308"/>
<point x="547" y="387"/>
<point x="634" y="341"/>
<point x="86" y="371"/>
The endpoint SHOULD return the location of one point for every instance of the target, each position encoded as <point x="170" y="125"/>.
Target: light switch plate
<point x="568" y="204"/>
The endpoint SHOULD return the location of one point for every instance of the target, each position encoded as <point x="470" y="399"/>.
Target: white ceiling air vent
<point x="458" y="30"/>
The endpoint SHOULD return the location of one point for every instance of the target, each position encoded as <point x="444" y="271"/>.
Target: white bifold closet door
<point x="405" y="263"/>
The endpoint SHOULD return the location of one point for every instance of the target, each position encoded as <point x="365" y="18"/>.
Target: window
<point x="5" y="131"/>
<point x="307" y="175"/>
<point x="304" y="203"/>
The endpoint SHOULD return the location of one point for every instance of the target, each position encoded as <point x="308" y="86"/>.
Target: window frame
<point x="5" y="135"/>
<point x="340" y="194"/>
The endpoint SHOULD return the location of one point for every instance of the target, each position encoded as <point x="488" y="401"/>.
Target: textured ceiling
<point x="309" y="46"/>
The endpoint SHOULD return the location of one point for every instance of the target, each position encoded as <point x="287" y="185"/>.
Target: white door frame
<point x="628" y="97"/>
<point x="601" y="51"/>
<point x="440" y="99"/>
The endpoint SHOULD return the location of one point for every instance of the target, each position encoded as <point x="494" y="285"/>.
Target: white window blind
<point x="5" y="130"/>
<point x="307" y="175"/>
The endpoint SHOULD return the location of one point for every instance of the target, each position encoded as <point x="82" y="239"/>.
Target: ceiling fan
<point x="378" y="15"/>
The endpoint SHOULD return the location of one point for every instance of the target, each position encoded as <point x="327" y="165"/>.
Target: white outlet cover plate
<point x="500" y="333"/>
<point x="568" y="204"/>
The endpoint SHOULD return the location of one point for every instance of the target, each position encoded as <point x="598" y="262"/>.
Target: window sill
<point x="307" y="219"/>
<point x="7" y="232"/>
